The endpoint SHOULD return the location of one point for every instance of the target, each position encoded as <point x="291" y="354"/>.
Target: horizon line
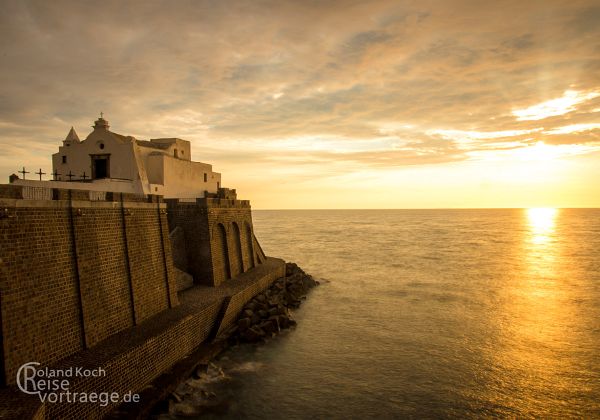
<point x="437" y="208"/>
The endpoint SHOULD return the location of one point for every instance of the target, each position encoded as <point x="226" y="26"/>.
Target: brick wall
<point x="219" y="238"/>
<point x="131" y="369"/>
<point x="238" y="263"/>
<point x="149" y="275"/>
<point x="221" y="257"/>
<point x="102" y="265"/>
<point x="161" y="342"/>
<point x="76" y="273"/>
<point x="237" y="223"/>
<point x="38" y="286"/>
<point x="11" y="191"/>
<point x="248" y="240"/>
<point x="73" y="273"/>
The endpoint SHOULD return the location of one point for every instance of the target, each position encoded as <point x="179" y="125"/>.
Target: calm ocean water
<point x="431" y="313"/>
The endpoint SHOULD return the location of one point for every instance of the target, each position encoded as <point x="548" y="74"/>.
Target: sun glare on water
<point x="541" y="219"/>
<point x="541" y="222"/>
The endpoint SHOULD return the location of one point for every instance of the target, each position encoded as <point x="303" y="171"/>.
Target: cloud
<point x="557" y="106"/>
<point x="574" y="128"/>
<point x="379" y="84"/>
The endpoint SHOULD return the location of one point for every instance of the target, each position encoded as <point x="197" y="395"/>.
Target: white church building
<point x="107" y="161"/>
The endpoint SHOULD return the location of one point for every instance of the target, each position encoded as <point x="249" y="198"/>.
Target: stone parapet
<point x="37" y="193"/>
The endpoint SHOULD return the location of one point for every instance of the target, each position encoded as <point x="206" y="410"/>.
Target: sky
<point x="322" y="104"/>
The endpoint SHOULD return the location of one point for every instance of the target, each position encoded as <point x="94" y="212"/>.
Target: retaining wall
<point x="74" y="272"/>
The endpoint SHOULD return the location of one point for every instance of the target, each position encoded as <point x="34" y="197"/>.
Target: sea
<point x="428" y="314"/>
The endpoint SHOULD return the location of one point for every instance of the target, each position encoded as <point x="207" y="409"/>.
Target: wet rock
<point x="268" y="312"/>
<point x="183" y="389"/>
<point x="231" y="330"/>
<point x="275" y="321"/>
<point x="253" y="334"/>
<point x="284" y="321"/>
<point x="200" y="370"/>
<point x="289" y="269"/>
<point x="209" y="395"/>
<point x="268" y="327"/>
<point x="183" y="409"/>
<point x="214" y="370"/>
<point x="244" y="323"/>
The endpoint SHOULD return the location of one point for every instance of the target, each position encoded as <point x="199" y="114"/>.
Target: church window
<point x="64" y="159"/>
<point x="205" y="177"/>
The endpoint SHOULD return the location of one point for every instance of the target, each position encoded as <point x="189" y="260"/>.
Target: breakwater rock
<point x="269" y="312"/>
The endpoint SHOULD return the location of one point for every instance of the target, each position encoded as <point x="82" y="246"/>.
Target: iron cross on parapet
<point x="55" y="174"/>
<point x="40" y="173"/>
<point x="70" y="175"/>
<point x="23" y="172"/>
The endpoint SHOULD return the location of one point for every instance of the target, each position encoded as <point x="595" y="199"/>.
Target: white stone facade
<point x="107" y="161"/>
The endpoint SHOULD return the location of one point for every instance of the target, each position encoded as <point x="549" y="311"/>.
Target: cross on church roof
<point x="70" y="175"/>
<point x="84" y="176"/>
<point x="55" y="174"/>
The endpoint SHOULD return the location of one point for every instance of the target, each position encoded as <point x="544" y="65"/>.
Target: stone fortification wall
<point x="219" y="238"/>
<point x="132" y="359"/>
<point x="94" y="270"/>
<point x="74" y="272"/>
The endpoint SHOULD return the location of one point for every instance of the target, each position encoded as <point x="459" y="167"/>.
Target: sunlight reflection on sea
<point x="433" y="313"/>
